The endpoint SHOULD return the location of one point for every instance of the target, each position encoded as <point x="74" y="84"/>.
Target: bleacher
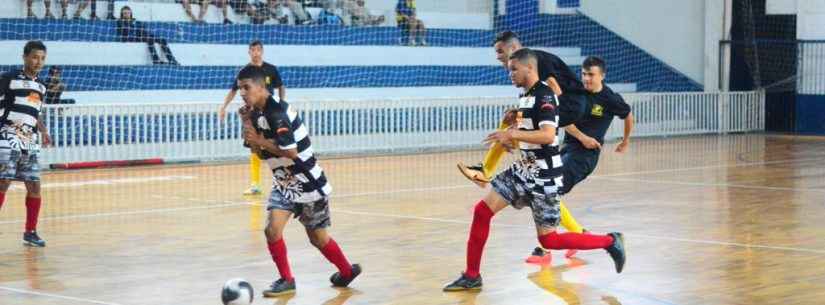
<point x="316" y="62"/>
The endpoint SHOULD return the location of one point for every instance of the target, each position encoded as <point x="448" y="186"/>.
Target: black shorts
<point x="572" y="107"/>
<point x="578" y="162"/>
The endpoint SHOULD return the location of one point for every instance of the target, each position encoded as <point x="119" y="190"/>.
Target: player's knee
<point x="318" y="238"/>
<point x="482" y="210"/>
<point x="4" y="185"/>
<point x="547" y="241"/>
<point x="273" y="234"/>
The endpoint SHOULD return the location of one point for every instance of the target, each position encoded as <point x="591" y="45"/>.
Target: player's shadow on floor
<point x="549" y="278"/>
<point x="464" y="298"/>
<point x="343" y="295"/>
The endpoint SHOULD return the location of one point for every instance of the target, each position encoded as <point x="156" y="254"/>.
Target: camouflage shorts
<point x="313" y="215"/>
<point x="545" y="205"/>
<point x="18" y="165"/>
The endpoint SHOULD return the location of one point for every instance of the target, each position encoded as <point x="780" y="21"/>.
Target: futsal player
<point x="300" y="186"/>
<point x="570" y="91"/>
<point x="584" y="139"/>
<point x="22" y="93"/>
<point x="533" y="180"/>
<point x="273" y="81"/>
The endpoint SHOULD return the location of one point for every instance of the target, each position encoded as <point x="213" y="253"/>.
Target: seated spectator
<point x="204" y="7"/>
<point x="327" y="15"/>
<point x="111" y="6"/>
<point x="55" y="87"/>
<point x="131" y="30"/>
<point x="409" y="24"/>
<point x="46" y="3"/>
<point x="297" y="9"/>
<point x="359" y="15"/>
<point x="257" y="10"/>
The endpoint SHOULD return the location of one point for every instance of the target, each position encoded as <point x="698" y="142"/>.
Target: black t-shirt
<point x="552" y="65"/>
<point x="273" y="78"/>
<point x="606" y="104"/>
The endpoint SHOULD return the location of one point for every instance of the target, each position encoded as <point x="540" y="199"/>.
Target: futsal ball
<point x="237" y="292"/>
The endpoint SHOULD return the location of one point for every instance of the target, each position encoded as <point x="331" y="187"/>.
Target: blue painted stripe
<point x="187" y="32"/>
<point x="568" y="3"/>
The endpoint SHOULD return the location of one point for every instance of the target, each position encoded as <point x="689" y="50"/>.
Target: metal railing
<point x="193" y="131"/>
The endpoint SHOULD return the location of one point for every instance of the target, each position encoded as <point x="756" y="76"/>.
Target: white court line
<point x="99" y="182"/>
<point x="56" y="296"/>
<point x="698" y="241"/>
<point x="138" y="212"/>
<point x="756" y="187"/>
<point x="709" y="167"/>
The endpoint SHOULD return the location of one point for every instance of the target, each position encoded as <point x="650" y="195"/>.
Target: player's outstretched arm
<point x="628" y="127"/>
<point x="588" y="141"/>
<point x="228" y="99"/>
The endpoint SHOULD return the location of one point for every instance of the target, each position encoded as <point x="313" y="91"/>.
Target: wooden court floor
<point x="736" y="219"/>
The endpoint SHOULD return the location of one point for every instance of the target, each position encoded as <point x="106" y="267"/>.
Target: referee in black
<point x="273" y="81"/>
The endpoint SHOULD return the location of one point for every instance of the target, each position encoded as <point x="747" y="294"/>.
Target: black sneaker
<point x="464" y="283"/>
<point x="538" y="251"/>
<point x="340" y="281"/>
<point x="617" y="251"/>
<point x="31" y="239"/>
<point x="280" y="287"/>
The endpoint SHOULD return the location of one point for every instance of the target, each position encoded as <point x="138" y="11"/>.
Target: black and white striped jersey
<point x="300" y="179"/>
<point x="539" y="165"/>
<point x="21" y="100"/>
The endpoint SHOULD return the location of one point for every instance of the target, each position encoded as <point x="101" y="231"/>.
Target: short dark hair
<point x="33" y="45"/>
<point x="507" y="37"/>
<point x="256" y="74"/>
<point x="256" y="43"/>
<point x="594" y="61"/>
<point x="524" y="56"/>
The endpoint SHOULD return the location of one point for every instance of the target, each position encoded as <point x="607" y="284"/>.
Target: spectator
<point x="55" y="87"/>
<point x="257" y="10"/>
<point x="408" y="22"/>
<point x="359" y="15"/>
<point x="298" y="12"/>
<point x="81" y="6"/>
<point x="204" y="6"/>
<point x="131" y="30"/>
<point x="327" y="15"/>
<point x="46" y="3"/>
<point x="111" y="6"/>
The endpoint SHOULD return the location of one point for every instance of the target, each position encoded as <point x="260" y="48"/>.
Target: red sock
<point x="577" y="241"/>
<point x="2" y="199"/>
<point x="479" y="231"/>
<point x="278" y="252"/>
<point x="335" y="256"/>
<point x="32" y="212"/>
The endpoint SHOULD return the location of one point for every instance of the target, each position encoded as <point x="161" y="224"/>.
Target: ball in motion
<point x="237" y="292"/>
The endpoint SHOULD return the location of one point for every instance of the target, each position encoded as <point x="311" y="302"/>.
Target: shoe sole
<point x="539" y="260"/>
<point x="624" y="251"/>
<point x="250" y="192"/>
<point x="482" y="183"/>
<point x="461" y="289"/>
<point x="31" y="244"/>
<point x="277" y="294"/>
<point x="354" y="276"/>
